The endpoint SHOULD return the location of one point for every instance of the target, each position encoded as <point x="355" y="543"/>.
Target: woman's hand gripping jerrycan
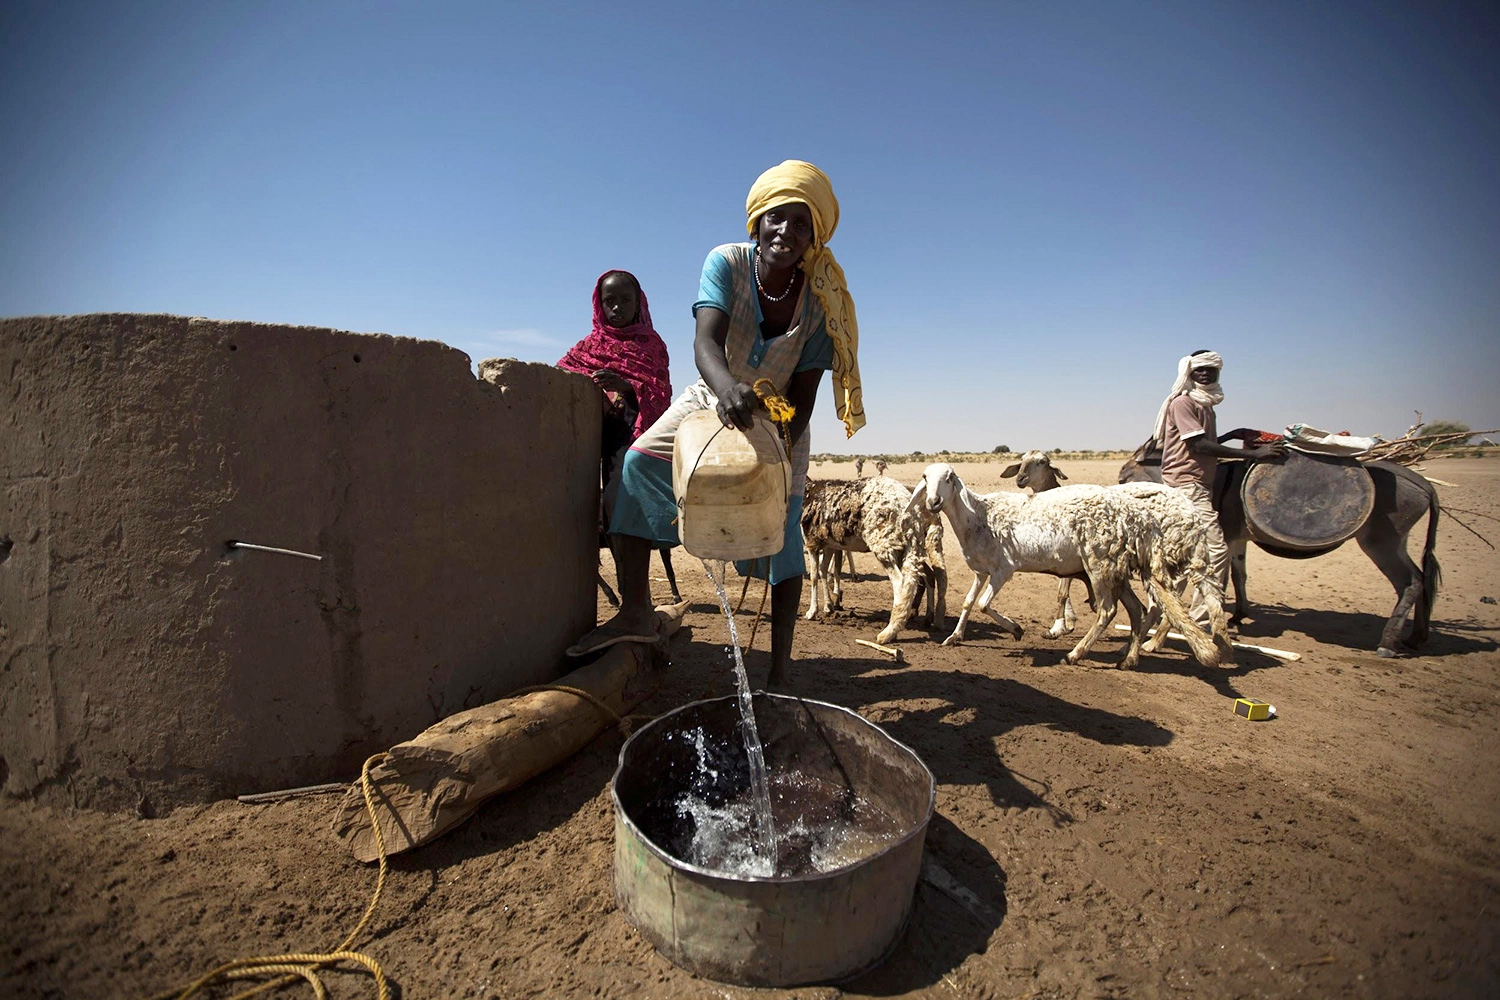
<point x="731" y="487"/>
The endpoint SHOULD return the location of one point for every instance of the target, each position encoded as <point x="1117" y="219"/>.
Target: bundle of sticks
<point x="1413" y="446"/>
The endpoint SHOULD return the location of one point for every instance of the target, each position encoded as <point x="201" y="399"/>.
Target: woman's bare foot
<point x="625" y="626"/>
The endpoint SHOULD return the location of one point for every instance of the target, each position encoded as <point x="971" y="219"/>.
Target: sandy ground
<point x="1127" y="835"/>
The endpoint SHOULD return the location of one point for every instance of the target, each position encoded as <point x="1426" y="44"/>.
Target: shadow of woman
<point x="956" y="737"/>
<point x="961" y="898"/>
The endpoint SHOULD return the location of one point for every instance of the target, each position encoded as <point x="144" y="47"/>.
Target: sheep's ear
<point x="1058" y="473"/>
<point x="1011" y="470"/>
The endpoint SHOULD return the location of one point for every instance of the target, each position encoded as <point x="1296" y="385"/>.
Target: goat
<point x="871" y="515"/>
<point x="1108" y="537"/>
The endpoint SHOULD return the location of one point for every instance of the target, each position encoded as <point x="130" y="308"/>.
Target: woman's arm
<point x="737" y="400"/>
<point x="802" y="393"/>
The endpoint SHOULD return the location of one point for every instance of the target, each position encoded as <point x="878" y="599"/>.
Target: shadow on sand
<point x="957" y="742"/>
<point x="1359" y="631"/>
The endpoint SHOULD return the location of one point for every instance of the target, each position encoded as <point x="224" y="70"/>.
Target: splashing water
<point x="820" y="824"/>
<point x="765" y="844"/>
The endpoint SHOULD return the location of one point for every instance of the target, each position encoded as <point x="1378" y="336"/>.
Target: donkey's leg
<point x="1388" y="553"/>
<point x="1237" y="549"/>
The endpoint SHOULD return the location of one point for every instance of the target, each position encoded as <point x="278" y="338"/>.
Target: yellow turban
<point x="800" y="181"/>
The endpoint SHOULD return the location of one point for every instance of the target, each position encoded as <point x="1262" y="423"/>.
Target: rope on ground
<point x="306" y="965"/>
<point x="625" y="722"/>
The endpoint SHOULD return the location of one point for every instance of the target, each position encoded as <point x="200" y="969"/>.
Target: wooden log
<point x="435" y="781"/>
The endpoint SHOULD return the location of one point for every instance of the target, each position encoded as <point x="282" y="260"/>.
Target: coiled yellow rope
<point x="780" y="411"/>
<point x="303" y="965"/>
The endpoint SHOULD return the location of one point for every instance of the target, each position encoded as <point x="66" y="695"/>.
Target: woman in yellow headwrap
<point x="773" y="308"/>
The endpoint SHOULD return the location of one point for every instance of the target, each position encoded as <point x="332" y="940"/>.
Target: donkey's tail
<point x="1432" y="573"/>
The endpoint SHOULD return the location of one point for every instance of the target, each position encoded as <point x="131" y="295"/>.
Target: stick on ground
<point x="891" y="651"/>
<point x="1280" y="654"/>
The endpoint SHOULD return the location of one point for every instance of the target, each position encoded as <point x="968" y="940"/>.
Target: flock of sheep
<point x="1106" y="536"/>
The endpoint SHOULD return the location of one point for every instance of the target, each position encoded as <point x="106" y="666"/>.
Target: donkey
<point x="1401" y="498"/>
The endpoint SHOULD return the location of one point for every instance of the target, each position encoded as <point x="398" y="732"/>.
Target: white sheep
<point x="871" y="515"/>
<point x="1181" y="532"/>
<point x="1034" y="469"/>
<point x="1070" y="531"/>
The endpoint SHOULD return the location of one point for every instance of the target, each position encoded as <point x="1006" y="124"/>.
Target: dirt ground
<point x="1126" y="834"/>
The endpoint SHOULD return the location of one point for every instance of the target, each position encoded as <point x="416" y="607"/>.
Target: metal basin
<point x="828" y="765"/>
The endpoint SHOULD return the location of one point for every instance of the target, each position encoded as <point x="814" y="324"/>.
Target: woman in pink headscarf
<point x="624" y="356"/>
<point x="627" y="359"/>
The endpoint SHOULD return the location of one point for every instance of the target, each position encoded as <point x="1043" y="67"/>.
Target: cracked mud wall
<point x="145" y="663"/>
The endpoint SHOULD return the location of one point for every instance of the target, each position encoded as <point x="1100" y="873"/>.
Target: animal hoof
<point x="1070" y="658"/>
<point x="952" y="641"/>
<point x="1390" y="654"/>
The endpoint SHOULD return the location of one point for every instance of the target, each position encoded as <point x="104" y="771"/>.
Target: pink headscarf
<point x="636" y="351"/>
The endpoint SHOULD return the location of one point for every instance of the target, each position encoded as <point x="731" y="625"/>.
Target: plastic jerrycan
<point x="731" y="487"/>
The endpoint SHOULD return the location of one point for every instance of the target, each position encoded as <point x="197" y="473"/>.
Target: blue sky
<point x="1044" y="205"/>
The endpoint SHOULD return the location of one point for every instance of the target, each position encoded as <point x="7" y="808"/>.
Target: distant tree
<point x="1447" y="427"/>
<point x="1003" y="449"/>
<point x="916" y="454"/>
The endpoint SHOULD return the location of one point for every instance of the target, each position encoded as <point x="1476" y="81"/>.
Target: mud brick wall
<point x="145" y="663"/>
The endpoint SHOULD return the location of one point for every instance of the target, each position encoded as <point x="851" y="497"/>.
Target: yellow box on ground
<point x="1255" y="711"/>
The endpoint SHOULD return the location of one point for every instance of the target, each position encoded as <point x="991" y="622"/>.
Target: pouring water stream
<point x="760" y="785"/>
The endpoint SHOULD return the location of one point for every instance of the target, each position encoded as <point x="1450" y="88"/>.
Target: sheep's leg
<point x="1153" y="621"/>
<point x="814" y="562"/>
<point x="1010" y="625"/>
<point x="1105" y="595"/>
<point x="903" y="596"/>
<point x="666" y="565"/>
<point x="986" y="599"/>
<point x="834" y="571"/>
<point x="1132" y="654"/>
<point x="937" y="597"/>
<point x="980" y="579"/>
<point x="1218" y="622"/>
<point x="1065" y="618"/>
<point x="1204" y="648"/>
